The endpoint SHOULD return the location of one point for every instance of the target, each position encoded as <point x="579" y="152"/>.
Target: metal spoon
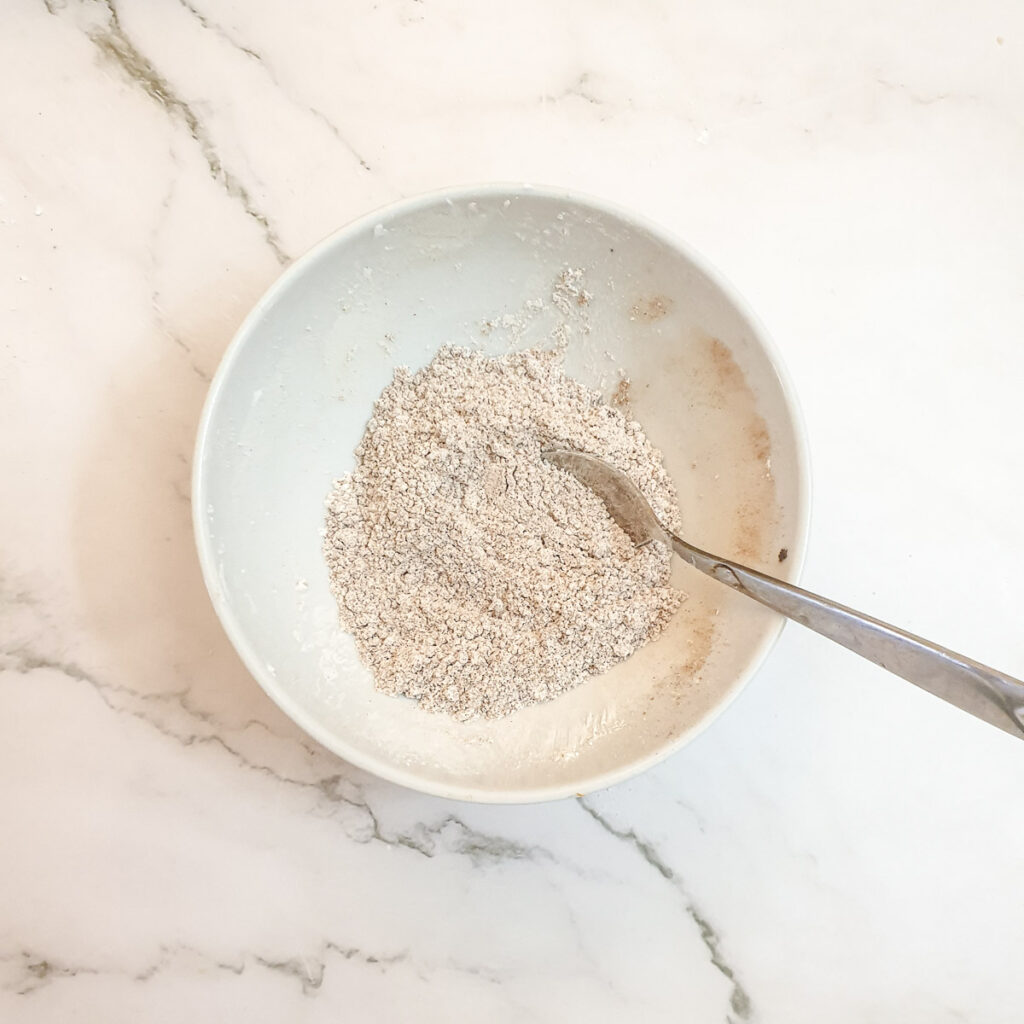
<point x="992" y="696"/>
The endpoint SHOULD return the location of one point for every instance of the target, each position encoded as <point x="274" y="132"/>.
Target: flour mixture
<point x="476" y="578"/>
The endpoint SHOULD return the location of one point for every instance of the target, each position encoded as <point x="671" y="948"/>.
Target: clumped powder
<point x="476" y="578"/>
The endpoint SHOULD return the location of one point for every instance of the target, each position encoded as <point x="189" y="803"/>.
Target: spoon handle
<point x="992" y="696"/>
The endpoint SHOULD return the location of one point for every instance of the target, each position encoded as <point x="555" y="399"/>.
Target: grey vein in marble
<point x="451" y="834"/>
<point x="113" y="44"/>
<point x="29" y="971"/>
<point x="217" y="29"/>
<point x="914" y="97"/>
<point x="161" y="319"/>
<point x="580" y="89"/>
<point x="738" y="1000"/>
<point x="310" y="971"/>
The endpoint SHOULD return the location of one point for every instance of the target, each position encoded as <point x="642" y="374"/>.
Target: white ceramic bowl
<point x="293" y="394"/>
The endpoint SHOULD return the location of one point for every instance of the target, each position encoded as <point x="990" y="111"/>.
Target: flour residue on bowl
<point x="700" y="406"/>
<point x="651" y="308"/>
<point x="753" y="483"/>
<point x="567" y="300"/>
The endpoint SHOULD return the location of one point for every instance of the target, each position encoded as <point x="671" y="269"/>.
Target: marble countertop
<point x="839" y="847"/>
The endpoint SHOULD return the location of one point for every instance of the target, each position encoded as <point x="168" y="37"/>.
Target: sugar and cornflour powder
<point x="476" y="578"/>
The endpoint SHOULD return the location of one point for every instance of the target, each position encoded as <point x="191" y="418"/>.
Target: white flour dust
<point x="476" y="578"/>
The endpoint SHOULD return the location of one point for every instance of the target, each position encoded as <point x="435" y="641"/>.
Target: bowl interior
<point x="478" y="268"/>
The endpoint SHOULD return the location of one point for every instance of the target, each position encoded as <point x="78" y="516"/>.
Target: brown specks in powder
<point x="729" y="380"/>
<point x="727" y="397"/>
<point x="699" y="643"/>
<point x="621" y="394"/>
<point x="783" y="554"/>
<point x="650" y="308"/>
<point x="699" y="649"/>
<point x="760" y="440"/>
<point x="729" y="375"/>
<point x="568" y="291"/>
<point x="748" y="535"/>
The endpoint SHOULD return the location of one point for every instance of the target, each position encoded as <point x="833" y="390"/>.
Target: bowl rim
<point x="390" y="771"/>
